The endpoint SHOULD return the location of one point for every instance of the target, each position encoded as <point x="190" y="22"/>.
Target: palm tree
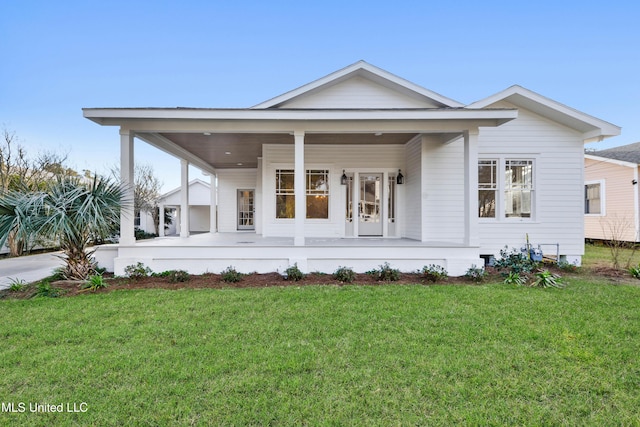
<point x="68" y="210"/>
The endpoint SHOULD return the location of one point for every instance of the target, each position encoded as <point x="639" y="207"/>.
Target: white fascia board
<point x="380" y="76"/>
<point x="114" y="116"/>
<point x="612" y="161"/>
<point x="599" y="129"/>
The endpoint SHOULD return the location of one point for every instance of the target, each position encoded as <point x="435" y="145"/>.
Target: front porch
<point x="249" y="252"/>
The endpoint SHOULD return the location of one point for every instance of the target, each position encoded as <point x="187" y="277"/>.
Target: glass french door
<point x="370" y="208"/>
<point x="246" y="210"/>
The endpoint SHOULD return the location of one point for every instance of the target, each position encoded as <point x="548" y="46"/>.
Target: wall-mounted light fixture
<point x="634" y="181"/>
<point x="343" y="178"/>
<point x="400" y="178"/>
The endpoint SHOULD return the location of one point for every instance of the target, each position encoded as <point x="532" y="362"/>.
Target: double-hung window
<point x="593" y="198"/>
<point x="505" y="188"/>
<point x="318" y="193"/>
<point x="285" y="195"/>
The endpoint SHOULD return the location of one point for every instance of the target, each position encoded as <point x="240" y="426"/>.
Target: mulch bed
<point x="214" y="281"/>
<point x="69" y="288"/>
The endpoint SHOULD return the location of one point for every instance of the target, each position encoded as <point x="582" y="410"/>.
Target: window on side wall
<point x="505" y="188"/>
<point x="518" y="188"/>
<point x="487" y="188"/>
<point x="593" y="198"/>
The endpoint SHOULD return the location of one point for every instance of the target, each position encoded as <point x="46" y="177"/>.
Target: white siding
<point x="559" y="192"/>
<point x="413" y="191"/>
<point x="199" y="218"/>
<point x="229" y="182"/>
<point x="335" y="158"/>
<point x="357" y="92"/>
<point x="443" y="193"/>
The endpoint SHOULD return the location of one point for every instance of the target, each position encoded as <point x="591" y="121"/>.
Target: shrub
<point x="95" y="282"/>
<point x="178" y="276"/>
<point x="17" y="285"/>
<point x="385" y="273"/>
<point x="546" y="279"/>
<point x="230" y="275"/>
<point x="141" y="234"/>
<point x="514" y="261"/>
<point x="567" y="266"/>
<point x="137" y="271"/>
<point x="434" y="273"/>
<point x="515" y="279"/>
<point x="635" y="271"/>
<point x="344" y="274"/>
<point x="293" y="273"/>
<point x="475" y="274"/>
<point x="44" y="289"/>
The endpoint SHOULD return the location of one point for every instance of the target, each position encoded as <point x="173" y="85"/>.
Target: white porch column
<point x="161" y="220"/>
<point x="184" y="198"/>
<point x="300" y="190"/>
<point x="471" y="188"/>
<point x="178" y="220"/>
<point x="127" y="216"/>
<point x="213" y="221"/>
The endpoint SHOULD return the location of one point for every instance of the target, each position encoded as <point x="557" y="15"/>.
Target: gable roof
<point x="626" y="153"/>
<point x="367" y="71"/>
<point x="177" y="190"/>
<point x="594" y="129"/>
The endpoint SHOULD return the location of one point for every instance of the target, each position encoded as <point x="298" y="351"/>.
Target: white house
<point x="612" y="206"/>
<point x="199" y="208"/>
<point x="199" y="211"/>
<point x="362" y="167"/>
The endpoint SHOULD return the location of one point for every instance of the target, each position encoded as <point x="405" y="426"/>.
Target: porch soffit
<point x="241" y="150"/>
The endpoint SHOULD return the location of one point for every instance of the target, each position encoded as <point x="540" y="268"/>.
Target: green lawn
<point x="600" y="256"/>
<point x="327" y="355"/>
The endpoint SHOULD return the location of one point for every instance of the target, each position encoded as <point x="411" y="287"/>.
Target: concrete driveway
<point x="28" y="268"/>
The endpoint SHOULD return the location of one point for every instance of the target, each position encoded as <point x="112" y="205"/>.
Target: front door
<point x="370" y="207"/>
<point x="246" y="210"/>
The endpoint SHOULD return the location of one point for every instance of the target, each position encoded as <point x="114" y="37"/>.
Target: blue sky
<point x="58" y="57"/>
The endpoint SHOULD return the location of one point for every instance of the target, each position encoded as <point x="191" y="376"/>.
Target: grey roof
<point x="627" y="153"/>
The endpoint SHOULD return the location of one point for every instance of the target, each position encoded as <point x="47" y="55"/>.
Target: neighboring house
<point x="199" y="211"/>
<point x="199" y="208"/>
<point x="362" y="167"/>
<point x="611" y="194"/>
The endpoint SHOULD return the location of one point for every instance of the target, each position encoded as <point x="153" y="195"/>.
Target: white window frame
<point x="501" y="189"/>
<point x="602" y="197"/>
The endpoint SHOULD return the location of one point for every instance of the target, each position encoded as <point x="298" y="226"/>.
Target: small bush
<point x="434" y="273"/>
<point x="230" y="275"/>
<point x="141" y="234"/>
<point x="547" y="279"/>
<point x="635" y="271"/>
<point x="293" y="273"/>
<point x="475" y="274"/>
<point x="385" y="273"/>
<point x="44" y="289"/>
<point x="514" y="261"/>
<point x="178" y="276"/>
<point x="567" y="266"/>
<point x="95" y="282"/>
<point x="165" y="273"/>
<point x="17" y="285"/>
<point x="344" y="274"/>
<point x="515" y="279"/>
<point x="137" y="271"/>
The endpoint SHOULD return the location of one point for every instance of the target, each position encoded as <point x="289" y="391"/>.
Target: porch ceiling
<point x="241" y="150"/>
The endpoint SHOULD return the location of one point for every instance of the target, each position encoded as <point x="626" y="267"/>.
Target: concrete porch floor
<point x="250" y="238"/>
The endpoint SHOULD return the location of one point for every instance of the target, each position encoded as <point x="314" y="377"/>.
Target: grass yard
<point x="328" y="355"/>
